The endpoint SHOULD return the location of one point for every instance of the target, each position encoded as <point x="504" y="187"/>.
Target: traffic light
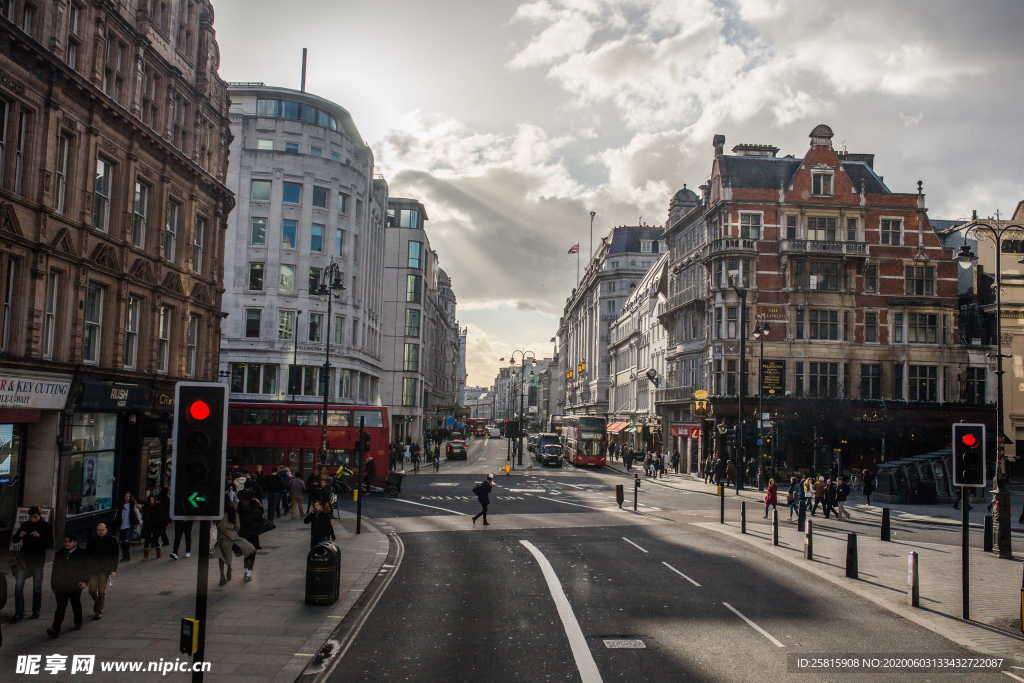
<point x="199" y="439"/>
<point x="968" y="454"/>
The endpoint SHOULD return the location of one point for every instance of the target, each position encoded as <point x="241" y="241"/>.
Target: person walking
<point x="842" y="493"/>
<point x="730" y="473"/>
<point x="771" y="497"/>
<point x="284" y="500"/>
<point x="127" y="521"/>
<point x="296" y="487"/>
<point x="35" y="537"/>
<point x="795" y="497"/>
<point x="416" y="458"/>
<point x="819" y="494"/>
<point x="675" y="461"/>
<point x="227" y="536"/>
<point x="320" y="526"/>
<point x="830" y="496"/>
<point x="869" y="485"/>
<point x="251" y="523"/>
<point x="483" y="494"/>
<point x="152" y="524"/>
<point x="182" y="529"/>
<point x="165" y="513"/>
<point x="67" y="578"/>
<point x="103" y="554"/>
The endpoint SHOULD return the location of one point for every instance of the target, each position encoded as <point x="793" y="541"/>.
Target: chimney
<point x="718" y="142"/>
<point x="752" y="150"/>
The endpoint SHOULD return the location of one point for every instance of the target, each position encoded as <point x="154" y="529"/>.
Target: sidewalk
<point x="261" y="629"/>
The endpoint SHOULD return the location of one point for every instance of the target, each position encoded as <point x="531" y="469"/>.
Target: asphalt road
<point x="565" y="586"/>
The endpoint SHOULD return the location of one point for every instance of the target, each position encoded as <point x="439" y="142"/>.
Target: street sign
<point x="701" y="395"/>
<point x="199" y="442"/>
<point x="969" y="454"/>
<point x="773" y="377"/>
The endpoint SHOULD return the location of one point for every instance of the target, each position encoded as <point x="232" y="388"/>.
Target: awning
<point x="616" y="427"/>
<point x="629" y="428"/>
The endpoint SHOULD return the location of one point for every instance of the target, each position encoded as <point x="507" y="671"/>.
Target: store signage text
<point x="24" y="392"/>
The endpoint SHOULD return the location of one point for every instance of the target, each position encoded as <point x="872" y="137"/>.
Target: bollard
<point x="1021" y="603"/>
<point x="775" y="526"/>
<point x="988" y="533"/>
<point x="636" y="490"/>
<point x="721" y="505"/>
<point x="743" y="517"/>
<point x="851" y="556"/>
<point x="809" y="541"/>
<point x="886" y="531"/>
<point x="801" y="517"/>
<point x="620" y="494"/>
<point x="914" y="579"/>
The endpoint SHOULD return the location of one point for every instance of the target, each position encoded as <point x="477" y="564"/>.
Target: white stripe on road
<point x="577" y="642"/>
<point x="753" y="625"/>
<point x="527" y="490"/>
<point x="633" y="544"/>
<point x="1014" y="676"/>
<point x="412" y="502"/>
<point x="681" y="574"/>
<point x="555" y="500"/>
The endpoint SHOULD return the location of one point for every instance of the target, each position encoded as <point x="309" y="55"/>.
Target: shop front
<point x="686" y="440"/>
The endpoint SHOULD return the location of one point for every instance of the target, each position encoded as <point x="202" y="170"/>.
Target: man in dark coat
<point x="103" y="552"/>
<point x="68" y="577"/>
<point x="483" y="494"/>
<point x="35" y="537"/>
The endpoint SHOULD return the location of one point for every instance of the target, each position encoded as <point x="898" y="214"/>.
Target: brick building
<point x="113" y="153"/>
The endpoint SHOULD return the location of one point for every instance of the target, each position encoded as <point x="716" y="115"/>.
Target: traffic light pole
<point x="202" y="587"/>
<point x="965" y="555"/>
<point x="360" y="453"/>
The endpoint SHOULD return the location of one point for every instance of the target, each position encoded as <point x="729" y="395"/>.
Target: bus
<point x="555" y="424"/>
<point x="262" y="436"/>
<point x="584" y="441"/>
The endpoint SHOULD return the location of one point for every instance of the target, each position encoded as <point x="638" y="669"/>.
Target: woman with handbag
<point x="127" y="520"/>
<point x="252" y="523"/>
<point x="228" y="541"/>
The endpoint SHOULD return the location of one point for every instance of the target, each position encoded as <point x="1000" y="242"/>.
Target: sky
<point x="511" y="121"/>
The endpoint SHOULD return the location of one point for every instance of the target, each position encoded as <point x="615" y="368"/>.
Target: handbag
<point x="265" y="526"/>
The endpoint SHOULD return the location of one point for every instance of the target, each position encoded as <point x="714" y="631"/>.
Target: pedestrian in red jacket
<point x="771" y="497"/>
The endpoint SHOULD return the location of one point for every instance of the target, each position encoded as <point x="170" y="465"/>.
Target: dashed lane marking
<point x="681" y="574"/>
<point x="412" y="502"/>
<point x="634" y="545"/>
<point x="754" y="626"/>
<point x="625" y="644"/>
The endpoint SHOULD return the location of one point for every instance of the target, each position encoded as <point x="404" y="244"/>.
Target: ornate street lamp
<point x="741" y="291"/>
<point x="760" y="333"/>
<point x="330" y="285"/>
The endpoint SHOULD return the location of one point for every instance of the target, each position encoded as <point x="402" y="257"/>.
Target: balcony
<point x="680" y="299"/>
<point x="673" y="394"/>
<point x="824" y="247"/>
<point x="733" y="244"/>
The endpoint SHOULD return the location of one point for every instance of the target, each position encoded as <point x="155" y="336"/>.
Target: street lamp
<point x="1000" y="478"/>
<point x="330" y="285"/>
<point x="760" y="333"/>
<point x="741" y="291"/>
<point x="523" y="357"/>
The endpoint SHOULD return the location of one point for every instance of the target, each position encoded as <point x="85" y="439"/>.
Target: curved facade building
<point x="307" y="197"/>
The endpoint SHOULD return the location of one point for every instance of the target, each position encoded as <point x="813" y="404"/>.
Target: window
<point x="891" y="229"/>
<point x="412" y="322"/>
<point x="870" y="381"/>
<point x="408" y="391"/>
<point x="415" y="252"/>
<point x="821" y="183"/>
<point x="286" y="324"/>
<point x="824" y="275"/>
<point x="291" y="147"/>
<point x="265" y="145"/>
<point x="730" y="377"/>
<point x="163" y="348"/>
<point x="72" y="49"/>
<point x="897" y="329"/>
<point x="50" y="314"/>
<point x="313" y="283"/>
<point x="192" y="346"/>
<point x="411" y="358"/>
<point x="823" y="379"/>
<point x="320" y="197"/>
<point x="974" y="386"/>
<point x="257" y="231"/>
<point x="316" y="323"/>
<point x="871" y="277"/>
<point x="339" y="329"/>
<point x="316" y="237"/>
<point x="646" y="246"/>
<point x="253" y="378"/>
<point x="140" y="207"/>
<point x="292" y="193"/>
<point x="750" y="226"/>
<point x="90" y="481"/>
<point x="924" y="383"/>
<point x="408" y="218"/>
<point x="170" y="240"/>
<point x="256" y="277"/>
<point x="339" y="242"/>
<point x="871" y="327"/>
<point x="253" y="321"/>
<point x="259" y="190"/>
<point x="791" y="227"/>
<point x="131" y="331"/>
<point x="851" y="229"/>
<point x="93" y="322"/>
<point x="28" y="15"/>
<point x="101" y="194"/>
<point x="731" y="314"/>
<point x="198" y="242"/>
<point x="798" y="378"/>
<point x="61" y="174"/>
<point x="923" y="328"/>
<point x="821" y="228"/>
<point x="920" y="280"/>
<point x="343" y="202"/>
<point x="286" y="281"/>
<point x="289" y="233"/>
<point x="412" y="289"/>
<point x="823" y="324"/>
<point x="316" y="151"/>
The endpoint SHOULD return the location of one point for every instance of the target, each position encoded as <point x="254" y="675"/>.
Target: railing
<point x="673" y="394"/>
<point x="733" y="244"/>
<point x="824" y="247"/>
<point x="680" y="299"/>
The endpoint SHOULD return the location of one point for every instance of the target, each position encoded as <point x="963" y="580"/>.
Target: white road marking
<point x="445" y="483"/>
<point x="555" y="500"/>
<point x="1014" y="676"/>
<point x="753" y="625"/>
<point x="625" y="643"/>
<point x="633" y="544"/>
<point x="681" y="574"/>
<point x="577" y="642"/>
<point x="412" y="502"/>
<point x="575" y="486"/>
<point x="526" y="490"/>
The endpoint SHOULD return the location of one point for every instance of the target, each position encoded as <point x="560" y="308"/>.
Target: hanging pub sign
<point x="773" y="377"/>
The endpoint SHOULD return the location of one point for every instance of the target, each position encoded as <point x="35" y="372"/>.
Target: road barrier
<point x="775" y="526"/>
<point x="743" y="517"/>
<point x="988" y="533"/>
<point x="914" y="579"/>
<point x="851" y="556"/>
<point x="809" y="541"/>
<point x="886" y="530"/>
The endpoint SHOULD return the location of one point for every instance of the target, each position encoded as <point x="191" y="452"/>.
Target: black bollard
<point x="620" y="494"/>
<point x="636" y="490"/>
<point x="801" y="516"/>
<point x="886" y="532"/>
<point x="743" y="517"/>
<point x="851" y="556"/>
<point x="988" y="533"/>
<point x="914" y="578"/>
<point x="721" y="505"/>
<point x="809" y="541"/>
<point x="775" y="526"/>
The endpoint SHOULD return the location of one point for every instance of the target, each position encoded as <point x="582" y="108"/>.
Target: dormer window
<point x="821" y="183"/>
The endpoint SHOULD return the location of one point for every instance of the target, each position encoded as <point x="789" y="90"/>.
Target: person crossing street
<point x="483" y="494"/>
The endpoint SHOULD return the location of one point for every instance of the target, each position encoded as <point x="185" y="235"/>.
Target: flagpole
<point x="592" y="214"/>
<point x="577" y="269"/>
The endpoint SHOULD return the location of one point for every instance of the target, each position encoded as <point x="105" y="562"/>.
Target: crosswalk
<point x="468" y="498"/>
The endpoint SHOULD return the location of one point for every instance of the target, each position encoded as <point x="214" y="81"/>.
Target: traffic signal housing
<point x="969" y="454"/>
<point x="199" y="439"/>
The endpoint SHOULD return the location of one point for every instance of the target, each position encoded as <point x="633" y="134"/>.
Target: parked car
<point x="551" y="454"/>
<point x="531" y="443"/>
<point x="493" y="433"/>
<point x="456" y="449"/>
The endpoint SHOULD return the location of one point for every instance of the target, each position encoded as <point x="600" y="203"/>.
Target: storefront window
<point x="11" y="440"/>
<point x="90" y="484"/>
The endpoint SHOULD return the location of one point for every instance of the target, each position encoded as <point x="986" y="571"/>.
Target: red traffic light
<point x="969" y="440"/>
<point x="199" y="410"/>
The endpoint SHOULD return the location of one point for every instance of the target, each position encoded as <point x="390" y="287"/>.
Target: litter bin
<point x="323" y="574"/>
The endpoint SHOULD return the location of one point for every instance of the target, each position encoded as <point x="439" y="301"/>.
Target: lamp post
<point x="1000" y="478"/>
<point x="330" y="286"/>
<point x="760" y="333"/>
<point x="523" y="357"/>
<point x="741" y="291"/>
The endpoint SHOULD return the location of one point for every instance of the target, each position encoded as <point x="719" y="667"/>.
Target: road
<point x="565" y="586"/>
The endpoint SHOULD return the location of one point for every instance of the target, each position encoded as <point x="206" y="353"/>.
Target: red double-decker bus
<point x="270" y="434"/>
<point x="584" y="441"/>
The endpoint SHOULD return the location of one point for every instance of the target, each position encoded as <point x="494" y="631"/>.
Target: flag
<point x="575" y="249"/>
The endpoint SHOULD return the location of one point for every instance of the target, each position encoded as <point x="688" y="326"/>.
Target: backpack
<point x="479" y="488"/>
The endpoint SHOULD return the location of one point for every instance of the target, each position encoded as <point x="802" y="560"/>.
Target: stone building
<point x="113" y="154"/>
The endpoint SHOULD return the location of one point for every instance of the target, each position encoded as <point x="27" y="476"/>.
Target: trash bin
<point x="323" y="574"/>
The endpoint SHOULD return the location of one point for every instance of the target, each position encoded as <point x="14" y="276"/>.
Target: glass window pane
<point x="292" y="193"/>
<point x="260" y="190"/>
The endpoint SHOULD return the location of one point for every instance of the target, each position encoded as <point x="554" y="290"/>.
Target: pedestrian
<point x="437" y="457"/>
<point x="675" y="461"/>
<point x="165" y="511"/>
<point x="320" y="527"/>
<point x="483" y="494"/>
<point x="182" y="529"/>
<point x="67" y="578"/>
<point x="251" y="523"/>
<point x="830" y="496"/>
<point x="795" y="496"/>
<point x="869" y="485"/>
<point x="842" y="493"/>
<point x="627" y="459"/>
<point x="407" y="453"/>
<point x="730" y="473"/>
<point x="103" y="554"/>
<point x="127" y="520"/>
<point x="296" y="487"/>
<point x="227" y="538"/>
<point x="819" y="495"/>
<point x="416" y="458"/>
<point x="284" y="499"/>
<point x="152" y="523"/>
<point x="771" y="497"/>
<point x="35" y="537"/>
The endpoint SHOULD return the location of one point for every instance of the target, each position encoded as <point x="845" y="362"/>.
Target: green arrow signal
<point x="194" y="498"/>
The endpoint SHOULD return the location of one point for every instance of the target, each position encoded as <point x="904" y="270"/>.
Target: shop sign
<point x="774" y="313"/>
<point x="773" y="377"/>
<point x="686" y="431"/>
<point x="100" y="396"/>
<point x="163" y="400"/>
<point x="33" y="392"/>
